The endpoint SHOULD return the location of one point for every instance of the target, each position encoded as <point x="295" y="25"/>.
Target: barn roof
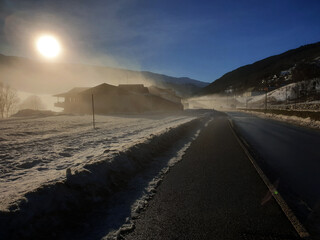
<point x="136" y="88"/>
<point x="103" y="88"/>
<point x="72" y="92"/>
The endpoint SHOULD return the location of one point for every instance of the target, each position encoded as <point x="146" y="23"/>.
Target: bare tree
<point x="11" y="100"/>
<point x="8" y="100"/>
<point x="32" y="102"/>
<point x="2" y="99"/>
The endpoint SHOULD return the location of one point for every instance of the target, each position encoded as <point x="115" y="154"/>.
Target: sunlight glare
<point x="48" y="46"/>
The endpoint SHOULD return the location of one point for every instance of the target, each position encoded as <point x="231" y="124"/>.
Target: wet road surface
<point x="213" y="193"/>
<point x="290" y="157"/>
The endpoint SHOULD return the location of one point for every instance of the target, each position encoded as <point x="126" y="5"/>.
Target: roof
<point x="136" y="88"/>
<point x="102" y="89"/>
<point x="105" y="88"/>
<point x="73" y="91"/>
<point x="165" y="93"/>
<point x="154" y="89"/>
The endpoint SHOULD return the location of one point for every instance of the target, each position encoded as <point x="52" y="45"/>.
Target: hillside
<point x="50" y="78"/>
<point x="301" y="64"/>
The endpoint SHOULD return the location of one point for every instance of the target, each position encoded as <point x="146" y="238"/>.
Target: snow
<point x="306" y="122"/>
<point x="165" y="163"/>
<point x="288" y="92"/>
<point x="42" y="151"/>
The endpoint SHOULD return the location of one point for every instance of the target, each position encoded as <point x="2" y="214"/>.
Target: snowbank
<point x="306" y="122"/>
<point x="38" y="151"/>
<point x="41" y="205"/>
<point x="141" y="203"/>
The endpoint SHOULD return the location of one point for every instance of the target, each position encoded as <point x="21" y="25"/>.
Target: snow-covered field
<point x="58" y="166"/>
<point x="39" y="151"/>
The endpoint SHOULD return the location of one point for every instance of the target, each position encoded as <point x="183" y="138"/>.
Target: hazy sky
<point x="199" y="39"/>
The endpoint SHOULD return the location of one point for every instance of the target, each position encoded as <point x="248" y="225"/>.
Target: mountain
<point x="294" y="65"/>
<point x="52" y="78"/>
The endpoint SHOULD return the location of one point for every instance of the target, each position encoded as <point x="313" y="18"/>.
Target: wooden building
<point x="127" y="98"/>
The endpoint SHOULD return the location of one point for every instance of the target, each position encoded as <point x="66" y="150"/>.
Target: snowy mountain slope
<point x="251" y="75"/>
<point x="286" y="94"/>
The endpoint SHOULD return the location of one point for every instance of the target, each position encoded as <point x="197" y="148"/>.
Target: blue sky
<point x="198" y="39"/>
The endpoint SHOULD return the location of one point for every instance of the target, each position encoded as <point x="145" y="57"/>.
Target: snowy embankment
<point x="52" y="168"/>
<point x="306" y="122"/>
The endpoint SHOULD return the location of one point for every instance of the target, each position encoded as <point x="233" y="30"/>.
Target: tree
<point x="8" y="100"/>
<point x="2" y="99"/>
<point x="32" y="102"/>
<point x="11" y="100"/>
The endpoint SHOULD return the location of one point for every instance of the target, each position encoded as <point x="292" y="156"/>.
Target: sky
<point x="183" y="38"/>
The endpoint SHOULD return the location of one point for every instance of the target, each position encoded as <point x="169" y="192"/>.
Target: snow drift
<point x="54" y="206"/>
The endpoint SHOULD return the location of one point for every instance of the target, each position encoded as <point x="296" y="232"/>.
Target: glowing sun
<point x="48" y="46"/>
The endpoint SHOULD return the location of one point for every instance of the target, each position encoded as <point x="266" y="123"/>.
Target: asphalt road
<point x="290" y="156"/>
<point x="213" y="193"/>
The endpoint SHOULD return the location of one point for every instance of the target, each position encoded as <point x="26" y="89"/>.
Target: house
<point x="127" y="98"/>
<point x="69" y="97"/>
<point x="135" y="88"/>
<point x="167" y="94"/>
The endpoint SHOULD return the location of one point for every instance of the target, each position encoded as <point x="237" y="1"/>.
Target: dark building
<point x="136" y="88"/>
<point x="133" y="98"/>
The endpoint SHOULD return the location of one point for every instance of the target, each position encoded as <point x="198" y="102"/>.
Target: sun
<point x="48" y="46"/>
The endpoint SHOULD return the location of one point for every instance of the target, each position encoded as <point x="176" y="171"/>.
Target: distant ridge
<point x="250" y="76"/>
<point x="50" y="78"/>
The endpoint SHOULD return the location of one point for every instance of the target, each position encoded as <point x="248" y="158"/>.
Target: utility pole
<point x="93" y="120"/>
<point x="266" y="98"/>
<point x="298" y="96"/>
<point x="266" y="101"/>
<point x="227" y="100"/>
<point x="212" y="103"/>
<point x="286" y="95"/>
<point x="127" y="77"/>
<point x="246" y="102"/>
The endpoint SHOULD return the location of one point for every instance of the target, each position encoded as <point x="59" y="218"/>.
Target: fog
<point x="214" y="101"/>
<point x="52" y="78"/>
<point x="30" y="77"/>
<point x="47" y="101"/>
